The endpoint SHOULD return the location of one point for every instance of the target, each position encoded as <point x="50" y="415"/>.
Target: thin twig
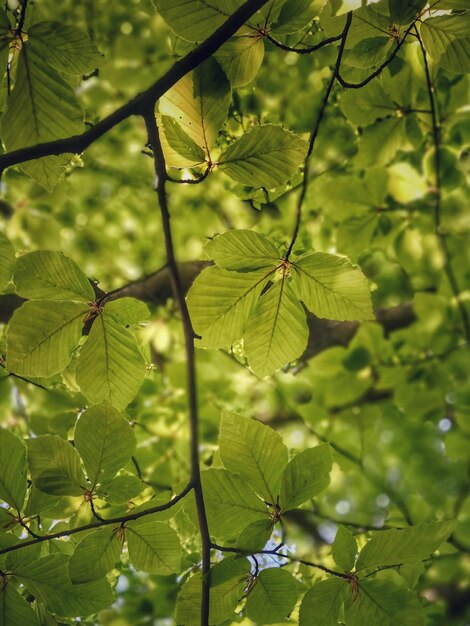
<point x="282" y="555"/>
<point x="380" y="69"/>
<point x="314" y="134"/>
<point x="438" y="195"/>
<point x="105" y="522"/>
<point x="189" y="336"/>
<point x="308" y="50"/>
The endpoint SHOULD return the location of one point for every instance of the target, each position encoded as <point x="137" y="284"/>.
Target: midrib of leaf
<point x="150" y="547"/>
<point x="353" y="304"/>
<point x="30" y="90"/>
<point x="218" y="10"/>
<point x="234" y="304"/>
<point x="56" y="330"/>
<point x="201" y="107"/>
<point x="106" y="355"/>
<point x="258" y="155"/>
<point x="275" y="320"/>
<point x="7" y="490"/>
<point x="101" y="455"/>
<point x="381" y="608"/>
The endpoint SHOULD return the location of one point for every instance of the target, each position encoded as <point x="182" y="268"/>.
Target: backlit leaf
<point x="322" y="603"/>
<point x="273" y="597"/>
<point x="254" y="451"/>
<point x="307" y="474"/>
<point x="277" y="331"/>
<point x="153" y="547"/>
<point x="13" y="470"/>
<point x="332" y="287"/>
<point x="95" y="556"/>
<point x="7" y="261"/>
<point x="105" y="442"/>
<point x="42" y="336"/>
<point x="55" y="466"/>
<point x="266" y="156"/>
<point x="242" y="250"/>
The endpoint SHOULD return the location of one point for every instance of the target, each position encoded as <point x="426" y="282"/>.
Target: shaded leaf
<point x="447" y="40"/>
<point x="322" y="603"/>
<point x="55" y="466"/>
<point x="7" y="261"/>
<point x="95" y="556"/>
<point x="14" y="609"/>
<point x="47" y="275"/>
<point x="344" y="549"/>
<point x="404" y="11"/>
<point x="42" y="107"/>
<point x="13" y="469"/>
<point x="273" y="597"/>
<point x="307" y="474"/>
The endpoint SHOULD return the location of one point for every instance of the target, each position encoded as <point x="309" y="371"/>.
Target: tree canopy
<point x="234" y="312"/>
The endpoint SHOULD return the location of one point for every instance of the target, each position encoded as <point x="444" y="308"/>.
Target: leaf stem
<point x="314" y="135"/>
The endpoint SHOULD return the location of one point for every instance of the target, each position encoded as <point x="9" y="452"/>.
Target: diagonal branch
<point x="142" y="101"/>
<point x="104" y="522"/>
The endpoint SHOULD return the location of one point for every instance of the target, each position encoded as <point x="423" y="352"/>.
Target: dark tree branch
<point x="436" y="137"/>
<point x="314" y="134"/>
<point x="142" y="101"/>
<point x="189" y="336"/>
<point x="105" y="522"/>
<point x="306" y="50"/>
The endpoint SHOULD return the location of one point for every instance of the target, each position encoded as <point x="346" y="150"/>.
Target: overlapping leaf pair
<point x="254" y="293"/>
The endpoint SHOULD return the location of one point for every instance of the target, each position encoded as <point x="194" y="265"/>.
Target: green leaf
<point x="277" y="330"/>
<point x="404" y="11"/>
<point x="55" y="466"/>
<point x="447" y="40"/>
<point x="364" y="106"/>
<point x="13" y="469"/>
<point x="344" y="549"/>
<point x="266" y="156"/>
<point x="231" y="505"/>
<point x="380" y="142"/>
<point x="14" y="609"/>
<point x="242" y="250"/>
<point x="127" y="311"/>
<point x="105" y="442"/>
<point x="255" y="536"/>
<point x="294" y="16"/>
<point x="95" y="556"/>
<point x="322" y="603"/>
<point x="6" y="36"/>
<point x="47" y="275"/>
<point x="383" y="600"/>
<point x="42" y="336"/>
<point x="254" y="451"/>
<point x="42" y="107"/>
<point x="307" y="474"/>
<point x="273" y="597"/>
<point x="195" y="20"/>
<point x="228" y="579"/>
<point x="111" y="366"/>
<point x="406" y="545"/>
<point x="7" y="261"/>
<point x="200" y="102"/>
<point x="47" y="579"/>
<point x="153" y="547"/>
<point x="332" y="287"/>
<point x="241" y="57"/>
<point x="121" y="489"/>
<point x="65" y="48"/>
<point x="180" y="150"/>
<point x="368" y="52"/>
<point x="220" y="302"/>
